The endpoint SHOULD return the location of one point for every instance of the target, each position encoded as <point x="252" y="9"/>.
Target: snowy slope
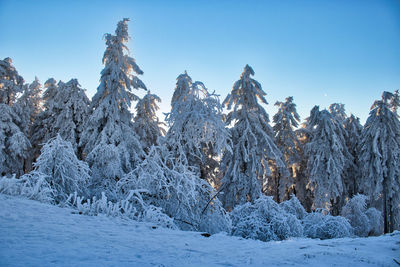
<point x="36" y="234"/>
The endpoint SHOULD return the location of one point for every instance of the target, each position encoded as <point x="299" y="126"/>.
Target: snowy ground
<point x="36" y="234"/>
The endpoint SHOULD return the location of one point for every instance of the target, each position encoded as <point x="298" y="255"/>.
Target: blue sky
<point x="319" y="52"/>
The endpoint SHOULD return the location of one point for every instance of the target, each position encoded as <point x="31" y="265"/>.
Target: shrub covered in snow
<point x="294" y="207"/>
<point x="62" y="170"/>
<point x="356" y="212"/>
<point x="375" y="221"/>
<point x="33" y="185"/>
<point x="131" y="207"/>
<point x="167" y="184"/>
<point x="264" y="220"/>
<point x="318" y="225"/>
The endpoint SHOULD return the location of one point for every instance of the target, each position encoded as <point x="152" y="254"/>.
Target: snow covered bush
<point x="264" y="220"/>
<point x="62" y="170"/>
<point x="33" y="185"/>
<point x="318" y="225"/>
<point x="375" y="221"/>
<point x="169" y="185"/>
<point x="294" y="207"/>
<point x="131" y="207"/>
<point x="355" y="211"/>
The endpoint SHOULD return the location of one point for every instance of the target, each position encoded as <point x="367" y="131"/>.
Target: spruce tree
<point x="43" y="126"/>
<point x="11" y="83"/>
<point x="71" y="110"/>
<point x="14" y="145"/>
<point x="111" y="147"/>
<point x="352" y="174"/>
<point x="146" y="123"/>
<point x="327" y="155"/>
<point x="248" y="166"/>
<point x="379" y="157"/>
<point x="29" y="105"/>
<point x="286" y="120"/>
<point x="197" y="134"/>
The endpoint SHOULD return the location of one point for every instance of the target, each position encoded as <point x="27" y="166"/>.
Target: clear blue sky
<point x="319" y="52"/>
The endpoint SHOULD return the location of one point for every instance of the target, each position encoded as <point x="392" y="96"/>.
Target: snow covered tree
<point x="28" y="106"/>
<point x="63" y="171"/>
<point x="352" y="174"/>
<point x="11" y="82"/>
<point x="359" y="217"/>
<point x="70" y="111"/>
<point x="110" y="145"/>
<point x="379" y="159"/>
<point x="197" y="133"/>
<point x="327" y="155"/>
<point x="14" y="145"/>
<point x="43" y="126"/>
<point x="286" y="119"/>
<point x="338" y="112"/>
<point x="254" y="153"/>
<point x="146" y="123"/>
<point x="167" y="183"/>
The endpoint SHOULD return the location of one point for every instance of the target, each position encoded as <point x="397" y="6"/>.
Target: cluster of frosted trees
<point x="203" y="169"/>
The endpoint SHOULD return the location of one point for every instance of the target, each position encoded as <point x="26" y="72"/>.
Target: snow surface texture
<point x="36" y="234"/>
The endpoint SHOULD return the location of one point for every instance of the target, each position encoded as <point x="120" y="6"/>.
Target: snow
<point x="37" y="234"/>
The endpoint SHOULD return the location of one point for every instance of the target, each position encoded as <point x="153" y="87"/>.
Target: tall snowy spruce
<point x="29" y="105"/>
<point x="110" y="145"/>
<point x="338" y="112"/>
<point x="11" y="83"/>
<point x="327" y="155"/>
<point x="248" y="166"/>
<point x="146" y="123"/>
<point x="379" y="156"/>
<point x="14" y="145"/>
<point x="352" y="174"/>
<point x="42" y="128"/>
<point x="197" y="134"/>
<point x="71" y="110"/>
<point x="285" y="121"/>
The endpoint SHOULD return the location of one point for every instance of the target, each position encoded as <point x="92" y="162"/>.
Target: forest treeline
<point x="203" y="168"/>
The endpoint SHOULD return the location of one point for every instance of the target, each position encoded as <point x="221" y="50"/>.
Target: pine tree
<point x="146" y="123"/>
<point x="300" y="173"/>
<point x="248" y="165"/>
<point x="197" y="134"/>
<point x="71" y="110"/>
<point x="43" y="126"/>
<point x="29" y="105"/>
<point x="338" y="112"/>
<point x="14" y="145"/>
<point x="379" y="158"/>
<point x="11" y="82"/>
<point x="352" y="174"/>
<point x="110" y="145"/>
<point x="286" y="119"/>
<point x="327" y="155"/>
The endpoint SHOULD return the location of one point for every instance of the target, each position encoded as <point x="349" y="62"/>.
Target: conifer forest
<point x="212" y="164"/>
